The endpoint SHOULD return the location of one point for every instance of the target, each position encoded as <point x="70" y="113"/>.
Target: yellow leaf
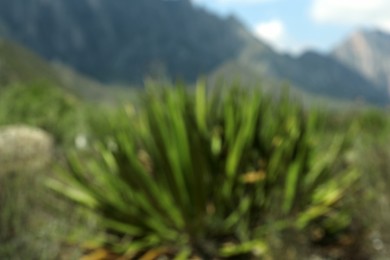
<point x="98" y="254"/>
<point x="253" y="176"/>
<point x="154" y="253"/>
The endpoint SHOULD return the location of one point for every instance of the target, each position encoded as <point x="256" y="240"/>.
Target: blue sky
<point x="293" y="26"/>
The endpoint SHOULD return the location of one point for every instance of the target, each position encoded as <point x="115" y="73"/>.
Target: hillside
<point x="368" y="52"/>
<point x="122" y="41"/>
<point x="18" y="65"/>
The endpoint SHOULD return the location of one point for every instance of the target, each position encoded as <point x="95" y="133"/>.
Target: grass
<point x="266" y="178"/>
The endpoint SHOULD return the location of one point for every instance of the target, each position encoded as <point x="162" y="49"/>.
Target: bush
<point x="23" y="147"/>
<point x="28" y="229"/>
<point x="192" y="174"/>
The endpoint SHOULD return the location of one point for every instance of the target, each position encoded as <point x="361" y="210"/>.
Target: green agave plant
<point x="206" y="174"/>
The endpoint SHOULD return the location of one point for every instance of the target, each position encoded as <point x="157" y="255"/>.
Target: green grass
<point x="224" y="174"/>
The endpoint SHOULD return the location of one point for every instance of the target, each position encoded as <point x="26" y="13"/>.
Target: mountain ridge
<point x="124" y="41"/>
<point x="367" y="52"/>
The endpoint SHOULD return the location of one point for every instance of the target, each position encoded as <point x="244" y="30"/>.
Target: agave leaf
<point x="258" y="248"/>
<point x="274" y="165"/>
<point x="245" y="136"/>
<point x="106" y="181"/>
<point x="133" y="247"/>
<point x="124" y="228"/>
<point x="291" y="186"/>
<point x="77" y="195"/>
<point x="310" y="214"/>
<point x="97" y="254"/>
<point x="76" y="183"/>
<point x="236" y="216"/>
<point x="155" y="253"/>
<point x="184" y="254"/>
<point x="230" y="119"/>
<point x="332" y="191"/>
<point x="216" y="143"/>
<point x="322" y="163"/>
<point x="148" y="191"/>
<point x="201" y="106"/>
<point x="167" y="138"/>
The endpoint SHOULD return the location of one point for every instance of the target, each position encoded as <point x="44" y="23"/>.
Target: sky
<point x="295" y="26"/>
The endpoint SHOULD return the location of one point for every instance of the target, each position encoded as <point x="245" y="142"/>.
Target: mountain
<point x="323" y="75"/>
<point x="368" y="52"/>
<point x="125" y="40"/>
<point x="312" y="72"/>
<point x="20" y="66"/>
<point x="122" y="40"/>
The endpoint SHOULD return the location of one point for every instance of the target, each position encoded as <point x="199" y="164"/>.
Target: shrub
<point x="210" y="175"/>
<point x="23" y="147"/>
<point x="25" y="157"/>
<point x="30" y="224"/>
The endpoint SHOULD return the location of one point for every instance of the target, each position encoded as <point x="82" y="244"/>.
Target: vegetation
<point x="182" y="173"/>
<point x="44" y="106"/>
<point x="19" y="65"/>
<point x="209" y="176"/>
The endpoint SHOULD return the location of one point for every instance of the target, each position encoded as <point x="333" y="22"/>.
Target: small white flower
<point x="81" y="141"/>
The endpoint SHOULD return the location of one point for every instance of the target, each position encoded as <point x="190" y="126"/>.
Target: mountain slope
<point x="324" y="75"/>
<point x="311" y="72"/>
<point x="122" y="40"/>
<point x="367" y="52"/>
<point x="18" y="65"/>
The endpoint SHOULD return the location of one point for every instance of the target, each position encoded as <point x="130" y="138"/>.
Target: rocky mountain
<point x="122" y="40"/>
<point x="311" y="72"/>
<point x="322" y="75"/>
<point x="368" y="52"/>
<point x="125" y="40"/>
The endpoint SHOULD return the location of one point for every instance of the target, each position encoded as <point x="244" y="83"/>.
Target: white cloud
<point x="352" y="12"/>
<point x="241" y="1"/>
<point x="273" y="32"/>
<point x="227" y="2"/>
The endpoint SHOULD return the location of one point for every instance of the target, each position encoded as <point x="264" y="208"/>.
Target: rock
<point x="24" y="148"/>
